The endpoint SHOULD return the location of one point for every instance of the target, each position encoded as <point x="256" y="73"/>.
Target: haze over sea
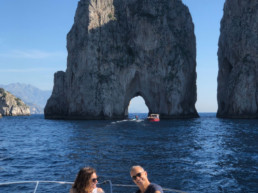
<point x="195" y="155"/>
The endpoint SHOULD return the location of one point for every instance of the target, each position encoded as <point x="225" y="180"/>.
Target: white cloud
<point x="32" y="54"/>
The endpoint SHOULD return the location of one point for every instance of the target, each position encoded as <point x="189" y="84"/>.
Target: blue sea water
<point x="206" y="154"/>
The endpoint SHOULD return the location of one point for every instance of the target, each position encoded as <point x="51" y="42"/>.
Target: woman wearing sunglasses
<point x="86" y="182"/>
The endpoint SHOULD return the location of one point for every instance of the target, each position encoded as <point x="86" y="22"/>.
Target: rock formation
<point x="11" y="105"/>
<point x="238" y="60"/>
<point x="35" y="98"/>
<point x="119" y="49"/>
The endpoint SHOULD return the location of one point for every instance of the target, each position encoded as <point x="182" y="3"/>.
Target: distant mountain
<point x="35" y="98"/>
<point x="35" y="109"/>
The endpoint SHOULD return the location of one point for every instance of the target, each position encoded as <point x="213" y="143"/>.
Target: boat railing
<point x="63" y="182"/>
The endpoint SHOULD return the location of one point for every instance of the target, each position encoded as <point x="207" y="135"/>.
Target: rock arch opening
<point x="137" y="105"/>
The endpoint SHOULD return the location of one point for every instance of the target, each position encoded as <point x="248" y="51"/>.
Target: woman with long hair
<point x="86" y="182"/>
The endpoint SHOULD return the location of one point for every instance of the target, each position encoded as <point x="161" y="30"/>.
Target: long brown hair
<point x="82" y="181"/>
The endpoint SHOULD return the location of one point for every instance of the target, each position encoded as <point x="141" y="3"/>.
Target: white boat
<point x="64" y="182"/>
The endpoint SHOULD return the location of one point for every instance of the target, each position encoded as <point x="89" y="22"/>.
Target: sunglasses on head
<point x="137" y="175"/>
<point x="95" y="179"/>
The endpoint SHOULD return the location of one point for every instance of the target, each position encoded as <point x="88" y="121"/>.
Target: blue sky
<point x="33" y="44"/>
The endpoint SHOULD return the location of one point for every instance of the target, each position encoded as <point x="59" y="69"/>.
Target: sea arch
<point x="137" y="105"/>
<point x="121" y="49"/>
<point x="140" y="86"/>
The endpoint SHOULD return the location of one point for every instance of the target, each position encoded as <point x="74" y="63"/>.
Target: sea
<point x="204" y="154"/>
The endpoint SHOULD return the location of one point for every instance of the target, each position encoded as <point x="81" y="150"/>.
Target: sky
<point x="33" y="44"/>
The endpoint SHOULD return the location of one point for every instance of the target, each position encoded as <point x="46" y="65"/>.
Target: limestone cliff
<point x="238" y="60"/>
<point x="119" y="49"/>
<point x="11" y="105"/>
<point x="35" y="98"/>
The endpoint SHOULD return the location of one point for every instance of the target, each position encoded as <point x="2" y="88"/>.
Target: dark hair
<point x="82" y="181"/>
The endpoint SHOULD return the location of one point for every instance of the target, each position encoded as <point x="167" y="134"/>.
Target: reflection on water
<point x="196" y="155"/>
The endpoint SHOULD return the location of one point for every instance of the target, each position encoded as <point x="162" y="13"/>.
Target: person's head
<point x="139" y="176"/>
<point x="86" y="180"/>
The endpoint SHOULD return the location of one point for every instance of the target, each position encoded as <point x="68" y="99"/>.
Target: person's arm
<point x="157" y="191"/>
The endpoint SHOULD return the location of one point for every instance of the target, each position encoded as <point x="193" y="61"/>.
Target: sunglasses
<point x="137" y="175"/>
<point x="94" y="180"/>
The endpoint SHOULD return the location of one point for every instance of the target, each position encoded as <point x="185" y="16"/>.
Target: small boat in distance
<point x="153" y="118"/>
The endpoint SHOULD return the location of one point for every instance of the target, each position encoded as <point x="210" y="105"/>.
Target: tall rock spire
<point x="119" y="49"/>
<point x="238" y="60"/>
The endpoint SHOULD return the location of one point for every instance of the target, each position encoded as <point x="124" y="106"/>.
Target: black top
<point x="151" y="189"/>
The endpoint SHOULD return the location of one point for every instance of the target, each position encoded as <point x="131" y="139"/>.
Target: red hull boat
<point x="153" y="118"/>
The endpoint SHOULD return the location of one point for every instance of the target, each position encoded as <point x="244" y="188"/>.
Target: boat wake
<point x="128" y="120"/>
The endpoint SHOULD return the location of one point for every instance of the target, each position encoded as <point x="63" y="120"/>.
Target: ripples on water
<point x="196" y="155"/>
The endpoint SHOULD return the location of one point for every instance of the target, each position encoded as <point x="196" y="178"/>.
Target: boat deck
<point x="37" y="183"/>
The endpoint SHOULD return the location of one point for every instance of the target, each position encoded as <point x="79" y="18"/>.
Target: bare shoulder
<point x="100" y="190"/>
<point x="157" y="191"/>
<point x="72" y="190"/>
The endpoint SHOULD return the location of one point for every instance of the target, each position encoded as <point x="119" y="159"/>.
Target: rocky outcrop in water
<point x="119" y="49"/>
<point x="35" y="98"/>
<point x="11" y="105"/>
<point x="238" y="60"/>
